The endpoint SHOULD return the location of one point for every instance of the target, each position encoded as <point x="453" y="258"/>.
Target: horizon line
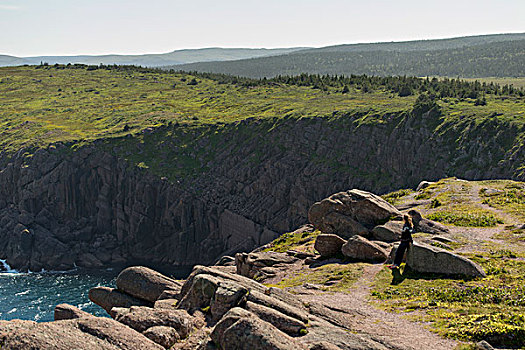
<point x="258" y="47"/>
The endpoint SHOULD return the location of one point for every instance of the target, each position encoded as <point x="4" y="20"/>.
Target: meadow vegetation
<point x="491" y="309"/>
<point x="40" y="105"/>
<point x="508" y="196"/>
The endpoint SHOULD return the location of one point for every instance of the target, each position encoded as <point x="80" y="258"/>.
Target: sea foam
<point x="6" y="268"/>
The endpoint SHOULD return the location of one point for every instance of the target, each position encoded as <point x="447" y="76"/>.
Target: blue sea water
<point x="33" y="296"/>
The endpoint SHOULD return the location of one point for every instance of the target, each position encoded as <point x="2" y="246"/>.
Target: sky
<point x="70" y="27"/>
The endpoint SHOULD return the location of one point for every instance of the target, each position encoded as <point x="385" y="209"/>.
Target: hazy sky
<point x="64" y="27"/>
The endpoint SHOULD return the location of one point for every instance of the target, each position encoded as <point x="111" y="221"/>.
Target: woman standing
<point x="406" y="241"/>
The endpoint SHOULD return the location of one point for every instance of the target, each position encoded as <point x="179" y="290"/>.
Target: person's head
<point x="408" y="220"/>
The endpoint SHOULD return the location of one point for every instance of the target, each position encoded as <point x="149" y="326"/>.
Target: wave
<point x="6" y="268"/>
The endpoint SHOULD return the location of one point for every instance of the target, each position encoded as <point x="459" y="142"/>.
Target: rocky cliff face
<point x="218" y="189"/>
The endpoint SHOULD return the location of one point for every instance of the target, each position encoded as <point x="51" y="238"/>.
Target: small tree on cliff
<point x="426" y="103"/>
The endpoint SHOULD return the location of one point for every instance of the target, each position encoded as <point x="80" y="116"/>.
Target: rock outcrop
<point x="69" y="312"/>
<point x="108" y="298"/>
<point x="425" y="258"/>
<point x="360" y="248"/>
<point x="241" y="329"/>
<point x="144" y="283"/>
<point x="262" y="264"/>
<point x="350" y="213"/>
<point x="142" y="318"/>
<point x="90" y="333"/>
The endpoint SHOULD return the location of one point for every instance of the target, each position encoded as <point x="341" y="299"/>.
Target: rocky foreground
<point x="224" y="307"/>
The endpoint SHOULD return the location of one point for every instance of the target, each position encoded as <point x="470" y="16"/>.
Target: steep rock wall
<point x="218" y="189"/>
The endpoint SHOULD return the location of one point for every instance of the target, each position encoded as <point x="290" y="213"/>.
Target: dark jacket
<point x="406" y="233"/>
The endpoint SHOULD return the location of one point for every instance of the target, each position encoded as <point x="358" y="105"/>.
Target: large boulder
<point x="108" y="298"/>
<point x="144" y="283"/>
<point x="360" y="248"/>
<point x="389" y="232"/>
<point x="328" y="244"/>
<point x="88" y="333"/>
<point x="350" y="213"/>
<point x="426" y="258"/>
<point x="240" y="329"/>
<point x="428" y="226"/>
<point x="69" y="312"/>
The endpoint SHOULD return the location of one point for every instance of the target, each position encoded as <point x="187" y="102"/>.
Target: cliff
<point x="325" y="286"/>
<point x="184" y="195"/>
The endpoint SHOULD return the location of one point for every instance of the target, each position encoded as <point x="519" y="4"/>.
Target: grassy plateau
<point x="40" y="105"/>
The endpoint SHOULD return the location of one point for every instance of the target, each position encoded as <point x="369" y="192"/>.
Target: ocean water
<point x="33" y="296"/>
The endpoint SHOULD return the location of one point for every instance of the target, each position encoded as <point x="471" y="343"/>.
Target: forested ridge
<point x="495" y="59"/>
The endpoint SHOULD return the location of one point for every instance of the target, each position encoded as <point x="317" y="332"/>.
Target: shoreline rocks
<point x="145" y="283"/>
<point x="108" y="298"/>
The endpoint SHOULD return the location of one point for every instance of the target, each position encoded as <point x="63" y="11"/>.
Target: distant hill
<point x="501" y="55"/>
<point x="424" y="45"/>
<point x="152" y="60"/>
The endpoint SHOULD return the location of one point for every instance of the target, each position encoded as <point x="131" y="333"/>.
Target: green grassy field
<point x="43" y="104"/>
<point x="39" y="106"/>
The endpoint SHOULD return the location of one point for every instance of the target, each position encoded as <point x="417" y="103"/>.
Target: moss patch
<point x="330" y="277"/>
<point x="303" y="242"/>
<point x="466" y="216"/>
<point x="508" y="196"/>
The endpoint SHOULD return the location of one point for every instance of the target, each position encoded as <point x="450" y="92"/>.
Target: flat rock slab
<point x="142" y="318"/>
<point x="426" y="258"/>
<point x="84" y="333"/>
<point x="108" y="298"/>
<point x="254" y="264"/>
